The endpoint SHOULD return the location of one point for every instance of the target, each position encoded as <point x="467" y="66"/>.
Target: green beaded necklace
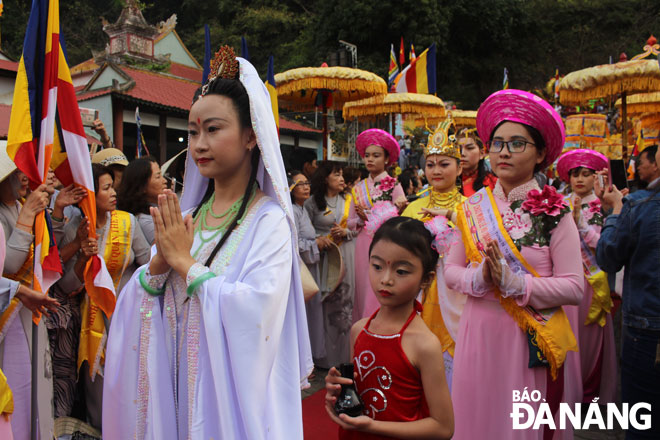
<point x="229" y="215"/>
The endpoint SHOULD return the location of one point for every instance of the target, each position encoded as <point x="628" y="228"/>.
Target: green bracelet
<point x="199" y="280"/>
<point x="150" y="290"/>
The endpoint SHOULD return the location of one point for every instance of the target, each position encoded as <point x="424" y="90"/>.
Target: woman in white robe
<point x="215" y="346"/>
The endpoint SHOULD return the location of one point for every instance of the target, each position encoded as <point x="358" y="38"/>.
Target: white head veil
<point x="272" y="181"/>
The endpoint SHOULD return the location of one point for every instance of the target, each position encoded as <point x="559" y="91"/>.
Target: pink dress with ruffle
<point x="365" y="303"/>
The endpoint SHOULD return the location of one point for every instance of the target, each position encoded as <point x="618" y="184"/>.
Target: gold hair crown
<point x="223" y="65"/>
<point x="442" y="142"/>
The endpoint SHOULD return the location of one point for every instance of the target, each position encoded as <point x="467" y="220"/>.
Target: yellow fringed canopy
<point x="608" y="80"/>
<point x="397" y="103"/>
<point x="297" y="88"/>
<point x="462" y="119"/>
<point x="642" y="103"/>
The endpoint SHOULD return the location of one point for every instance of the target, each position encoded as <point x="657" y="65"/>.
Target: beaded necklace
<point x="447" y="200"/>
<point x="229" y="215"/>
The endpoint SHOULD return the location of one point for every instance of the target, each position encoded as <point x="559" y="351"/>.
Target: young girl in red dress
<point x="398" y="362"/>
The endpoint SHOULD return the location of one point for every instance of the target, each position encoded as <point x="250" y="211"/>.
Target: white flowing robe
<point x="241" y="341"/>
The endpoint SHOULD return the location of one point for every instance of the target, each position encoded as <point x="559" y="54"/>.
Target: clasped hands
<point x="173" y="236"/>
<point x="496" y="272"/>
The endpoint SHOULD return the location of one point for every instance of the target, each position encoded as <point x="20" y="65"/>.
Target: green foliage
<point x="475" y="39"/>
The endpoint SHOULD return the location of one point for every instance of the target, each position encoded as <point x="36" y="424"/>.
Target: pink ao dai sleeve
<point x="559" y="266"/>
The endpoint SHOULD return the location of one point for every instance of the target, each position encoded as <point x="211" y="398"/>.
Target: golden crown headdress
<point x="223" y="65"/>
<point x="441" y="141"/>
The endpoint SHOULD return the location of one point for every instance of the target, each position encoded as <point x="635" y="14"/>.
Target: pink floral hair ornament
<point x="580" y="158"/>
<point x="443" y="235"/>
<point x="524" y="108"/>
<point x="381" y="138"/>
<point x="380" y="213"/>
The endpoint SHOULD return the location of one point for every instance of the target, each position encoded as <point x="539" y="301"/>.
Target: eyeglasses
<point x="514" y="146"/>
<point x="299" y="183"/>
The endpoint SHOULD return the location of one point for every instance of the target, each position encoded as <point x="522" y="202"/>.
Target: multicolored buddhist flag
<point x="272" y="90"/>
<point x="402" y="55"/>
<point x="505" y="79"/>
<point x="394" y="68"/>
<point x="556" y="84"/>
<point x="420" y="75"/>
<point x="45" y="129"/>
<point x="413" y="57"/>
<point x="1" y="7"/>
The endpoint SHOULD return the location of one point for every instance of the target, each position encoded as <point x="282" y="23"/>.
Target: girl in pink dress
<point x="514" y="336"/>
<point x="594" y="328"/>
<point x="398" y="360"/>
<point x="378" y="150"/>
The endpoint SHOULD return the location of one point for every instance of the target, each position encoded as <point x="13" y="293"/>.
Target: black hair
<point x="319" y="185"/>
<point x="537" y="138"/>
<point x="407" y="178"/>
<point x="351" y="175"/>
<point x="412" y="235"/>
<point x="578" y="170"/>
<point x="649" y="152"/>
<point x="289" y="177"/>
<point x="132" y="196"/>
<point x="233" y="89"/>
<point x="482" y="170"/>
<point x="99" y="170"/>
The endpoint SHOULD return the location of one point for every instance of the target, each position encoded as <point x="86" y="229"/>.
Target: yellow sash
<point x="361" y="194"/>
<point x="601" y="300"/>
<point x="480" y="222"/>
<point x="344" y="218"/>
<point x="116" y="255"/>
<point x="6" y="398"/>
<point x="432" y="316"/>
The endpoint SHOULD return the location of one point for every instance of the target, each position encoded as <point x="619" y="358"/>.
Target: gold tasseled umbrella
<point x="641" y="103"/>
<point x="306" y="88"/>
<point x="462" y="119"/>
<point x="639" y="75"/>
<point x="417" y="104"/>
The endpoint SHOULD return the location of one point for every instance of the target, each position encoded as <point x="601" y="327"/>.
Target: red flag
<point x="402" y="54"/>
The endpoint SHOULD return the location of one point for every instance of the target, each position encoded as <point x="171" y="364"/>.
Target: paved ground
<point x="317" y="383"/>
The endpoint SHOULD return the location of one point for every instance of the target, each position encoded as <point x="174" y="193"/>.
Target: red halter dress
<point x="389" y="385"/>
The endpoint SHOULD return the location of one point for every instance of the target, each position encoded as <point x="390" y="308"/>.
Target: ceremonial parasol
<point x="464" y="118"/>
<point x="624" y="78"/>
<point x="395" y="103"/>
<point x="641" y="103"/>
<point x="326" y="87"/>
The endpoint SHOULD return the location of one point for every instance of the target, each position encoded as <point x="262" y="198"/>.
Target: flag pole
<point x="34" y="380"/>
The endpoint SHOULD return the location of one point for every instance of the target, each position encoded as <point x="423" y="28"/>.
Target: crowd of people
<point x="519" y="298"/>
<point x="449" y="281"/>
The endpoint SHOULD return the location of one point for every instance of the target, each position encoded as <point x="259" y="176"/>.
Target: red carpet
<point x="316" y="423"/>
